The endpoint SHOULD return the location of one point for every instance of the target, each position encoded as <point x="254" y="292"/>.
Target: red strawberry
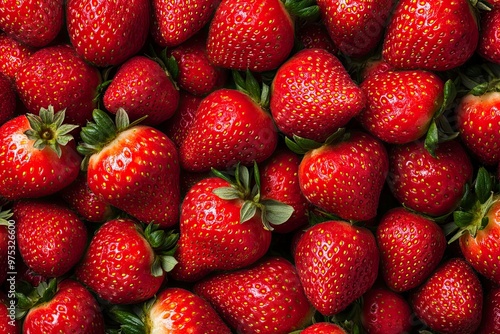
<point x="400" y="104"/>
<point x="490" y="323"/>
<point x="132" y="167"/>
<point x="356" y="27"/>
<point x="62" y="307"/>
<point x="174" y="23"/>
<point x="8" y="322"/>
<point x="57" y="76"/>
<point x="385" y="312"/>
<point x="50" y="237"/>
<point x="125" y="263"/>
<point x="8" y="98"/>
<point x="323" y="328"/>
<point x="12" y="54"/>
<point x="35" y="23"/>
<point x="374" y="65"/>
<point x="451" y="300"/>
<point x="337" y="263"/>
<point x="345" y="178"/>
<point x="258" y="298"/>
<point x="36" y="156"/>
<point x="142" y="87"/>
<point x="431" y="35"/>
<point x="411" y="247"/>
<point x="109" y="32"/>
<point x="313" y="35"/>
<point x="489" y="40"/>
<point x="313" y="95"/>
<point x="427" y="184"/>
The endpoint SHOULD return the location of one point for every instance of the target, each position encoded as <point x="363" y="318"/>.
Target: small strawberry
<point x="50" y="237"/>
<point x="451" y="300"/>
<point x="142" y="87"/>
<point x="385" y="312"/>
<point x="132" y="167"/>
<point x="257" y="299"/>
<point x="432" y="185"/>
<point x="489" y="40"/>
<point x="12" y="54"/>
<point x="431" y="35"/>
<point x="57" y="76"/>
<point x="490" y="323"/>
<point x="8" y="98"/>
<point x="337" y="263"/>
<point x="313" y="95"/>
<point x="125" y="263"/>
<point x="109" y="32"/>
<point x="36" y="155"/>
<point x="313" y="35"/>
<point x="35" y="23"/>
<point x="411" y="247"/>
<point x="323" y="328"/>
<point x="356" y="27"/>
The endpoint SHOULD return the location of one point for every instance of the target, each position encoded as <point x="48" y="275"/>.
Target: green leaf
<point x="277" y="212"/>
<point x="122" y="120"/>
<point x="432" y="138"/>
<point x="227" y="193"/>
<point x="156" y="268"/>
<point x="168" y="263"/>
<point x="247" y="211"/>
<point x="483" y="185"/>
<point x="243" y="176"/>
<point x="463" y="218"/>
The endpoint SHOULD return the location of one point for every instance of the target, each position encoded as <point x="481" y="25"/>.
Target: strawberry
<point x="490" y="323"/>
<point x="432" y="185"/>
<point x="8" y="322"/>
<point x="32" y="23"/>
<point x="313" y="95"/>
<point x="345" y="178"/>
<point x="489" y="41"/>
<point x="132" y="167"/>
<point x="50" y="237"/>
<point x="126" y="263"/>
<point x="8" y="96"/>
<point x="313" y="35"/>
<point x="356" y="27"/>
<point x="400" y="104"/>
<point x="451" y="300"/>
<point x="60" y="307"/>
<point x="142" y="87"/>
<point x="108" y="33"/>
<point x="430" y="35"/>
<point x="323" y="328"/>
<point x="411" y="247"/>
<point x="219" y="225"/>
<point x="385" y="312"/>
<point x="374" y="65"/>
<point x="257" y="299"/>
<point x="57" y="76"/>
<point x="36" y="155"/>
<point x="174" y="23"/>
<point x="12" y="54"/>
<point x="230" y="126"/>
<point x="337" y="263"/>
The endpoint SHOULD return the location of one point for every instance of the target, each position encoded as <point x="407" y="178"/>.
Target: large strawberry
<point x="57" y="76"/>
<point x="313" y="95"/>
<point x="132" y="167"/>
<point x="431" y="35"/>
<point x="12" y="54"/>
<point x="451" y="300"/>
<point x="36" y="155"/>
<point x="337" y="263"/>
<point x="108" y="32"/>
<point x="126" y="263"/>
<point x="35" y="23"/>
<point x="258" y="298"/>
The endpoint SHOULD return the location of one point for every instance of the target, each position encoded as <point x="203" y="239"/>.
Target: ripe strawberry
<point x="400" y="104"/>
<point x="427" y="184"/>
<point x="337" y="263"/>
<point x="61" y="307"/>
<point x="8" y="98"/>
<point x="36" y="156"/>
<point x="372" y="66"/>
<point x="411" y="247"/>
<point x="174" y="23"/>
<point x="125" y="263"/>
<point x="313" y="95"/>
<point x="257" y="299"/>
<point x="345" y="178"/>
<point x="132" y="167"/>
<point x="323" y="328"/>
<point x="313" y="35"/>
<point x="57" y="76"/>
<point x="142" y="87"/>
<point x="451" y="300"/>
<point x="108" y="33"/>
<point x="12" y="54"/>
<point x="431" y="35"/>
<point x="32" y="23"/>
<point x="385" y="312"/>
<point x="489" y="41"/>
<point x="490" y="323"/>
<point x="50" y="237"/>
<point x="356" y="27"/>
<point x="8" y="322"/>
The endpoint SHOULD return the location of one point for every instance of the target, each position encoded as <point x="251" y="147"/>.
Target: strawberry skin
<point x="431" y="35"/>
<point x="337" y="263"/>
<point x="323" y="328"/>
<point x="6" y="325"/>
<point x="8" y="98"/>
<point x="258" y="298"/>
<point x="490" y="323"/>
<point x="313" y="95"/>
<point x="489" y="41"/>
<point x="12" y="54"/>
<point x="313" y="35"/>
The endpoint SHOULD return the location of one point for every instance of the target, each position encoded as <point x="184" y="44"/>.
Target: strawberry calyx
<point x="303" y="9"/>
<point x="129" y="319"/>
<point x="481" y="79"/>
<point x="245" y="185"/>
<point x="29" y="297"/>
<point x="164" y="244"/>
<point x="47" y="129"/>
<point x="302" y="145"/>
<point x="259" y="93"/>
<point x="5" y="215"/>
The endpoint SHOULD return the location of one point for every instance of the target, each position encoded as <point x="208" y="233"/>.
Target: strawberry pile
<point x="250" y="166"/>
